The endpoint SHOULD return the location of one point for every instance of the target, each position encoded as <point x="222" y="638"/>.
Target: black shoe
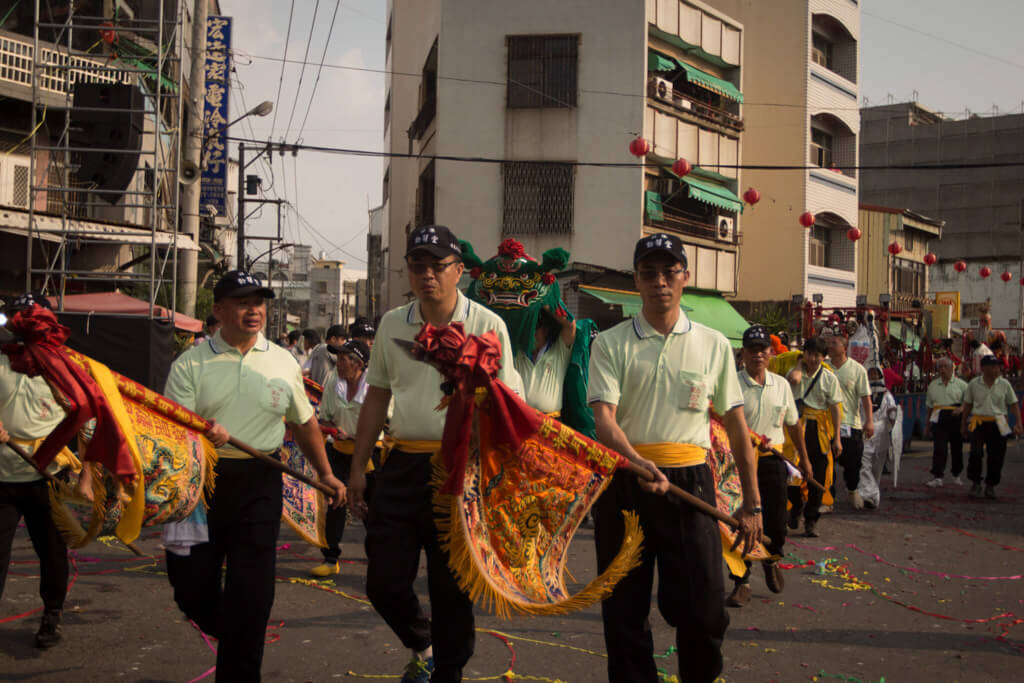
<point x="50" y="630"/>
<point x="794" y="517"/>
<point x="773" y="577"/>
<point x="740" y="595"/>
<point x="810" y="530"/>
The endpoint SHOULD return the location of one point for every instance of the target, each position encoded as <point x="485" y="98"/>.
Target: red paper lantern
<point x="639" y="147"/>
<point x="107" y="33"/>
<point x="853" y="234"/>
<point x="1006" y="277"/>
<point x="681" y="167"/>
<point x="751" y="196"/>
<point x="895" y="248"/>
<point x="985" y="271"/>
<point x="930" y="259"/>
<point x="959" y="266"/>
<point x="807" y="219"/>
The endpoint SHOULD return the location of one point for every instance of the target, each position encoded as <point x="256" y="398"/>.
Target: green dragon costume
<point x="525" y="293"/>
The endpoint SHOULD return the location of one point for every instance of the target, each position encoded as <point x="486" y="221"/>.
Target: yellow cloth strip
<point x="229" y="452"/>
<point x="826" y="432"/>
<point x="64" y="459"/>
<point x="667" y="454"/>
<point x="409" y="446"/>
<point x="977" y="420"/>
<point x="555" y="414"/>
<point x="348" y="447"/>
<point x="945" y="407"/>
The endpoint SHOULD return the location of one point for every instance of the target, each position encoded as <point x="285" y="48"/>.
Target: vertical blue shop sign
<point x="214" y="183"/>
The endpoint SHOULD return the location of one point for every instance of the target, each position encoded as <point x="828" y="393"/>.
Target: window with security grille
<point x="538" y="198"/>
<point x="542" y="71"/>
<point x="19" y="195"/>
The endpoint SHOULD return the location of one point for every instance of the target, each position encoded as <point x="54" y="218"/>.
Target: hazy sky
<point x="968" y="61"/>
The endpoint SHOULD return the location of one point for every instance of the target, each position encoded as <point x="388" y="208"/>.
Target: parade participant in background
<point x="344" y="393"/>
<point x="884" y="412"/>
<point x="362" y="330"/>
<point x="978" y="352"/>
<point x="28" y="413"/>
<point x="295" y="347"/>
<point x="987" y="401"/>
<point x="212" y="324"/>
<point x="249" y="389"/>
<point x="768" y="407"/>
<point x="401" y="522"/>
<point x="820" y="399"/>
<point x="858" y="423"/>
<point x="552" y="349"/>
<point x="321" y="360"/>
<point x="310" y="340"/>
<point x="944" y="401"/>
<point x="651" y="381"/>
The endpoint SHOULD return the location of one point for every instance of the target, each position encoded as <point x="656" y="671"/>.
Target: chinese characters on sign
<point x="214" y="183"/>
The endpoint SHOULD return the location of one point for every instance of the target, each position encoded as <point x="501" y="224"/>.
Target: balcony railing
<point x="680" y="223"/>
<point x="16" y="67"/>
<point x="703" y="110"/>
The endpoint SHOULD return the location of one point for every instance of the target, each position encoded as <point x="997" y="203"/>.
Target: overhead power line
<point x="330" y="32"/>
<point x="302" y="72"/>
<point x="284" y="63"/>
<point x="637" y="165"/>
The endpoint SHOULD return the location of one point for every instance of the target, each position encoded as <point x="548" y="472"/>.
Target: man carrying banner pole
<point x="401" y="522"/>
<point x="768" y="407"/>
<point x="651" y="380"/>
<point x="244" y="385"/>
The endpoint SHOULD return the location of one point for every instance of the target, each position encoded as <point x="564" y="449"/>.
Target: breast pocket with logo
<point x="693" y="391"/>
<point x="778" y="415"/>
<point x="276" y="396"/>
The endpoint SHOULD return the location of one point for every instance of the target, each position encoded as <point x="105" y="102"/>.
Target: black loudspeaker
<point x="109" y="118"/>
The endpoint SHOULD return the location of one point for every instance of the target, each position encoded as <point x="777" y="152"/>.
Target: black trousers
<point x="336" y="519"/>
<point x="686" y="547"/>
<point x="772" y="482"/>
<point x="400" y="526"/>
<point x="245" y="519"/>
<point x="819" y="467"/>
<point x="31" y="500"/>
<point x="946" y="438"/>
<point x="986" y="437"/>
<point x="850" y="459"/>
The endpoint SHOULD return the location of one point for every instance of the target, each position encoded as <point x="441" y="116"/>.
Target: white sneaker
<point x="857" y="500"/>
<point x="937" y="482"/>
<point x="958" y="480"/>
<point x="824" y="509"/>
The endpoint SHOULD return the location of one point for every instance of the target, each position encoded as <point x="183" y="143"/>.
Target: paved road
<point x="910" y="592"/>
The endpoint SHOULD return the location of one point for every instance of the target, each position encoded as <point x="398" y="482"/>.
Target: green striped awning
<point x="712" y="83"/>
<point x="659" y="62"/>
<point x="715" y="195"/>
<point x="652" y="204"/>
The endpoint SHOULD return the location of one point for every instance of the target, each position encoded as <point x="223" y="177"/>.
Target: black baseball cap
<point x="27" y="300"/>
<point x="756" y="335"/>
<point x="240" y="283"/>
<point x="436" y="240"/>
<point x="361" y="328"/>
<point x="991" y="360"/>
<point x="659" y="242"/>
<point x="354" y="347"/>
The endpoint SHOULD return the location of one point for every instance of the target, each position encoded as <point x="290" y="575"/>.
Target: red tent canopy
<point x="118" y="303"/>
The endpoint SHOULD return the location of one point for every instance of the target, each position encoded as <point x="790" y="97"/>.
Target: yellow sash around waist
<point x="826" y="430"/>
<point x="229" y="452"/>
<point x="409" y="446"/>
<point x="667" y="454"/>
<point x="63" y="460"/>
<point x="945" y="407"/>
<point x="977" y="420"/>
<point x="348" y="447"/>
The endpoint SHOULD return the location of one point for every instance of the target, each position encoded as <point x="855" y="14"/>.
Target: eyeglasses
<point x="419" y="268"/>
<point x="651" y="275"/>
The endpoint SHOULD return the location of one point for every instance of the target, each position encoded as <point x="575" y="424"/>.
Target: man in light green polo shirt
<point x="769" y="409"/>
<point x="944" y="401"/>
<point x="28" y="413"/>
<point x="249" y="388"/>
<point x="543" y="371"/>
<point x="858" y="421"/>
<point x="400" y="523"/>
<point x="987" y="402"/>
<point x="652" y="380"/>
<point x="821" y="400"/>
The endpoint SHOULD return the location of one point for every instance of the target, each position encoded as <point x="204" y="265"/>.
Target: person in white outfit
<point x="876" y="449"/>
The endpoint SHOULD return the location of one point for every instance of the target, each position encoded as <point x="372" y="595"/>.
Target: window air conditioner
<point x="659" y="89"/>
<point x="726" y="229"/>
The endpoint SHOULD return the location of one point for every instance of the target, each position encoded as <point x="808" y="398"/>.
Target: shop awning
<point x="652" y="204"/>
<point x="715" y="195"/>
<point x="659" y="62"/>
<point x="118" y="303"/>
<point x="706" y="308"/>
<point x="712" y="83"/>
<point x="904" y="334"/>
<point x="710" y="309"/>
<point x="51" y="229"/>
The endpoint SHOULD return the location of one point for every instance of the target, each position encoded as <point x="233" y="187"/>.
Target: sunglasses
<point x="651" y="275"/>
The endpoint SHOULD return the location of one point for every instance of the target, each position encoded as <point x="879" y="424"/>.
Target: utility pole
<point x="188" y="261"/>
<point x="268" y="149"/>
<point x="240" y="247"/>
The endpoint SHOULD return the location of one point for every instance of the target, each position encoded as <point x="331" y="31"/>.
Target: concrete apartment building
<point x="982" y="207"/>
<point x="569" y="84"/>
<point x="801" y="84"/>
